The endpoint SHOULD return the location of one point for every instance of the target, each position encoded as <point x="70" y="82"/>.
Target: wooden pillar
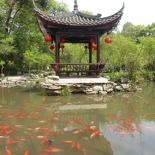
<point x="98" y="48"/>
<point x="57" y="57"/>
<point x="90" y="53"/>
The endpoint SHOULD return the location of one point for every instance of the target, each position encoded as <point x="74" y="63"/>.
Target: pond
<point x="114" y="124"/>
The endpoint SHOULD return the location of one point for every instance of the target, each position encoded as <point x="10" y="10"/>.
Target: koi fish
<point x="84" y="150"/>
<point x="44" y="140"/>
<point x="79" y="121"/>
<point x="77" y="131"/>
<point x="116" y="117"/>
<point x="54" y="119"/>
<point x="8" y="151"/>
<point x="11" y="141"/>
<point x="58" y="133"/>
<point x="5" y="127"/>
<point x="26" y="152"/>
<point x="42" y="121"/>
<point x="78" y="146"/>
<point x="67" y="141"/>
<point x="94" y="134"/>
<point x="72" y="145"/>
<point x="53" y="149"/>
<point x="93" y="128"/>
<point x="9" y="132"/>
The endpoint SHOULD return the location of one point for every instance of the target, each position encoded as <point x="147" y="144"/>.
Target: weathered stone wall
<point x="52" y="85"/>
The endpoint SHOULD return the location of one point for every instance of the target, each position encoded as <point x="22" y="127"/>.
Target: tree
<point x="149" y="51"/>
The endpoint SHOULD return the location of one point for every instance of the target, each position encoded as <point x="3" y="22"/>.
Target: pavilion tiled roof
<point x="76" y="18"/>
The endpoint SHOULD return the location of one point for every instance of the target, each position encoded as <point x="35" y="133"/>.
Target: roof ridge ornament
<point x="75" y="6"/>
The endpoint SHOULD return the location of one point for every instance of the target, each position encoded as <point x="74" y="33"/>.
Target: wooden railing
<point x="77" y="69"/>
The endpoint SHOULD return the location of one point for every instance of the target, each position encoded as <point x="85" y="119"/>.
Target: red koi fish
<point x="8" y="151"/>
<point x="26" y="152"/>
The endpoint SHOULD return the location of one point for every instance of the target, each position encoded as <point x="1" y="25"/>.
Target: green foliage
<point x="2" y="63"/>
<point x="34" y="59"/>
<point x="149" y="75"/>
<point x="66" y="91"/>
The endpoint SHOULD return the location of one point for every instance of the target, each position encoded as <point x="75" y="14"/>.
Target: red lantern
<point x="52" y="47"/>
<point x="108" y="40"/>
<point x="93" y="47"/>
<point x="92" y="40"/>
<point x="62" y="40"/>
<point x="48" y="39"/>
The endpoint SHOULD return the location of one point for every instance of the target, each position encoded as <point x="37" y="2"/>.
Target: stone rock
<point x="57" y="92"/>
<point x="55" y="78"/>
<point x="102" y="92"/>
<point x="107" y="86"/>
<point x="91" y="92"/>
<point x="118" y="88"/>
<point x="123" y="80"/>
<point x="110" y="90"/>
<point x="125" y="87"/>
<point x="97" y="88"/>
<point x="138" y="89"/>
<point x="55" y="87"/>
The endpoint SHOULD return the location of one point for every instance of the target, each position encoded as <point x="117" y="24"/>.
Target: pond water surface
<point x="32" y="123"/>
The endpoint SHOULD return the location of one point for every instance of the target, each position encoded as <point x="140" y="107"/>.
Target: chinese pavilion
<point x="76" y="27"/>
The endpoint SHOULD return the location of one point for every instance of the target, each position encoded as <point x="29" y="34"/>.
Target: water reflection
<point x="119" y="123"/>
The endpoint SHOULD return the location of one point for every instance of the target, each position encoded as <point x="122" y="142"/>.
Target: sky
<point x="138" y="12"/>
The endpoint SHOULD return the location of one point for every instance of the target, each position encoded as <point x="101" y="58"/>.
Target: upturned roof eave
<point x="53" y="20"/>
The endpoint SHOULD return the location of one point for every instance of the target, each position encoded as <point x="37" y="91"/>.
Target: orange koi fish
<point x="67" y="141"/>
<point x="53" y="149"/>
<point x="116" y="117"/>
<point x="77" y="131"/>
<point x="54" y="119"/>
<point x="78" y="146"/>
<point x="26" y="152"/>
<point x="8" y="151"/>
<point x="11" y="141"/>
<point x="5" y="127"/>
<point x="72" y="145"/>
<point x="9" y="132"/>
<point x="58" y="133"/>
<point x="93" y="128"/>
<point x="94" y="134"/>
<point x="44" y="140"/>
<point x="78" y="121"/>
